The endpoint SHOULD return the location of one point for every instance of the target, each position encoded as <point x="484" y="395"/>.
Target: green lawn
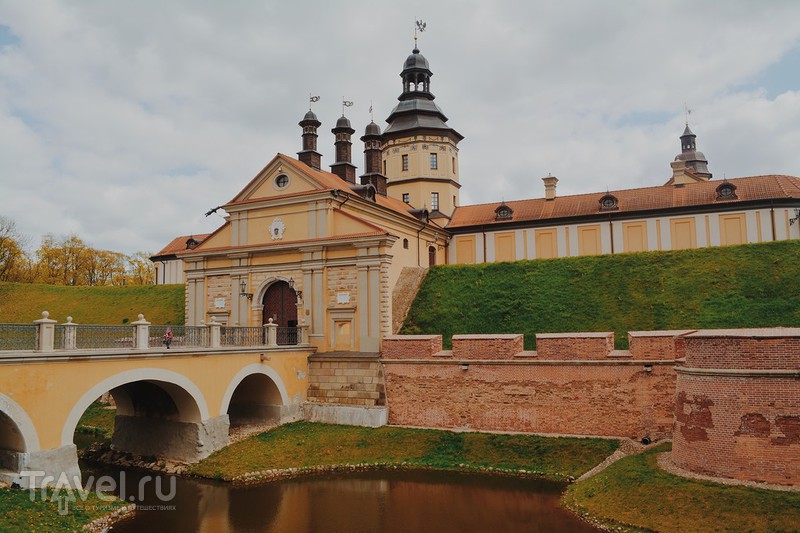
<point x="22" y="303"/>
<point x="99" y="419"/>
<point x="636" y="492"/>
<point x="723" y="287"/>
<point x="21" y="512"/>
<point x="305" y="444"/>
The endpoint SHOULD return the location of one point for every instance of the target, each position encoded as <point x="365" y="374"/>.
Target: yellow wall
<point x="732" y="229"/>
<point x="634" y="236"/>
<point x="465" y="249"/>
<point x="546" y="243"/>
<point x="589" y="240"/>
<point x="683" y="233"/>
<point x="504" y="247"/>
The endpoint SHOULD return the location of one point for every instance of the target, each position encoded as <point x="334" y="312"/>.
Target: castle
<point x="303" y="245"/>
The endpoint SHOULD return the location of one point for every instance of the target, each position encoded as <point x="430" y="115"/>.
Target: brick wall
<point x="486" y="346"/>
<point x="654" y="344"/>
<point x="511" y="390"/>
<point x="342" y="380"/>
<point x="574" y="345"/>
<point x="737" y="410"/>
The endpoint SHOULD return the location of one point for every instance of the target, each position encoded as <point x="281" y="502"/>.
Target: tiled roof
<point x="178" y="244"/>
<point x="770" y="187"/>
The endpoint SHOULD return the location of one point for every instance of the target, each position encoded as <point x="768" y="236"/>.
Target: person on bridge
<point x="168" y="337"/>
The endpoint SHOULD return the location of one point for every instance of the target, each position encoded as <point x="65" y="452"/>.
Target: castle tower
<point x="309" y="154"/>
<point x="419" y="151"/>
<point x="372" y="159"/>
<point x="695" y="161"/>
<point x="343" y="166"/>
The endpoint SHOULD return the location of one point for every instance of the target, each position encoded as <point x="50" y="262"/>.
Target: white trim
<point x="24" y="423"/>
<point x="249" y="370"/>
<point x="123" y="378"/>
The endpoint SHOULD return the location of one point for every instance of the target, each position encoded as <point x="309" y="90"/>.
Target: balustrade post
<point x="45" y="333"/>
<point x="302" y="333"/>
<point x="271" y="331"/>
<point x="141" y="334"/>
<point x="70" y="334"/>
<point x="214" y="333"/>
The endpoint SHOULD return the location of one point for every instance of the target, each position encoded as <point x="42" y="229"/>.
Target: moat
<point x="376" y="501"/>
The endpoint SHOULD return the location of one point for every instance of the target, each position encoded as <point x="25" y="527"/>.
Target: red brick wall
<point x="737" y="411"/>
<point x="410" y="346"/>
<point x="574" y="345"/>
<point x="654" y="344"/>
<point x="486" y="346"/>
<point x="611" y="398"/>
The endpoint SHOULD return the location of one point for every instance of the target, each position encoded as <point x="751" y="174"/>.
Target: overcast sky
<point x="124" y="122"/>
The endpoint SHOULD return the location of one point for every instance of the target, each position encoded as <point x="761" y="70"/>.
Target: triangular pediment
<point x="284" y="176"/>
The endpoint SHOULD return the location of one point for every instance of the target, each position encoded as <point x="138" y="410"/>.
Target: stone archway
<point x="279" y="304"/>
<point x="257" y="395"/>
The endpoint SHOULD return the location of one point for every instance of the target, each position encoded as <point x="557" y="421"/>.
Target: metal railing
<point x="94" y="337"/>
<point x="17" y="337"/>
<point x="242" y="336"/>
<point x="287" y="336"/>
<point x="182" y="336"/>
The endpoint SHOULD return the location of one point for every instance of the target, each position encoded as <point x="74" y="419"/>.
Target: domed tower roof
<point x="372" y="129"/>
<point x="343" y="122"/>
<point x="694" y="159"/>
<point x="309" y="119"/>
<point x="416" y="110"/>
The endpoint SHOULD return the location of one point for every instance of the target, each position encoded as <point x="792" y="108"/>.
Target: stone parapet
<point x="410" y="346"/>
<point x="767" y="348"/>
<point x="655" y="344"/>
<point x="354" y="381"/>
<point x="574" y="345"/>
<point x="487" y="346"/>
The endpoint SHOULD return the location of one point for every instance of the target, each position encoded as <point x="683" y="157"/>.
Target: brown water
<point x="365" y="502"/>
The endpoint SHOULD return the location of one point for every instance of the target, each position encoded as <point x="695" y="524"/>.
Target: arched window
<point x="405" y="244"/>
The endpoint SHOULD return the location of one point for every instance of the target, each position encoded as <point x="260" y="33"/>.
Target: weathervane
<point x="420" y="27"/>
<point x="687" y="112"/>
<point x="346" y="103"/>
<point x="311" y="100"/>
<point x="371" y="116"/>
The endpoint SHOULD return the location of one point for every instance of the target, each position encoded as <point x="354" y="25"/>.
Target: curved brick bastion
<point x="737" y="411"/>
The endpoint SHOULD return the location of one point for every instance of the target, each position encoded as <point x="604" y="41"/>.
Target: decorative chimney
<point x="550" y="187"/>
<point x="343" y="167"/>
<point x="309" y="155"/>
<point x="372" y="159"/>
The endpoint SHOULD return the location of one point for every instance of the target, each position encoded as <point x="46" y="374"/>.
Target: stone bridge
<point x="175" y="403"/>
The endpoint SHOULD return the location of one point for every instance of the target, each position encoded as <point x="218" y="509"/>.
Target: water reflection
<point x="380" y="501"/>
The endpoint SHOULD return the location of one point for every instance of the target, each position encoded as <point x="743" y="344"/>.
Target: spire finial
<point x="371" y="115"/>
<point x="686" y="112"/>
<point x="311" y="100"/>
<point x="419" y="28"/>
<point x="346" y="103"/>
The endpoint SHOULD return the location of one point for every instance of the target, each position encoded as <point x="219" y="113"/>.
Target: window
<point x="282" y="181"/>
<point x="405" y="161"/>
<point x="434" y="201"/>
<point x="384" y="167"/>
<point x="406" y="197"/>
<point x="454" y="165"/>
<point x="434" y="161"/>
<point x="405" y="244"/>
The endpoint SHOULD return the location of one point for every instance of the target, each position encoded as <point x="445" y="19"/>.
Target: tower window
<point x="454" y="165"/>
<point x="405" y="244"/>
<point x="434" y="201"/>
<point x="384" y="167"/>
<point x="434" y="162"/>
<point x="405" y="161"/>
<point x="406" y="197"/>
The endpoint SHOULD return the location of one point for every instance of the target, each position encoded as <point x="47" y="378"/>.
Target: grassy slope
<point x="738" y="286"/>
<point x="636" y="492"/>
<point x="98" y="418"/>
<point x="19" y="513"/>
<point x="310" y="444"/>
<point x="24" y="302"/>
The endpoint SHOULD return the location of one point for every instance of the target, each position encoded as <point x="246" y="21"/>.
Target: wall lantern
<point x="299" y="293"/>
<point x="243" y="292"/>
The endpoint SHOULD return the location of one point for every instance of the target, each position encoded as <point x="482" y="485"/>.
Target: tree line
<point x="67" y="260"/>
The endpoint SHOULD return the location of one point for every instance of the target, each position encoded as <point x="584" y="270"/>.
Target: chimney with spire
<point x="343" y="167"/>
<point x="372" y="159"/>
<point x="309" y="154"/>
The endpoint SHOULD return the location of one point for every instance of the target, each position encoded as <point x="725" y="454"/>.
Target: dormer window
<point x="503" y="212"/>
<point x="726" y="191"/>
<point x="191" y="243"/>
<point x="609" y="202"/>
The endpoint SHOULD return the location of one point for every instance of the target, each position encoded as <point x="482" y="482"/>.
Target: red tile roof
<point x="770" y="187"/>
<point x="178" y="244"/>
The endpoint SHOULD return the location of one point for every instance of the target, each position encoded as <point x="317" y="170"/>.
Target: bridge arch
<point x="256" y="392"/>
<point x="23" y="424"/>
<point x="188" y="399"/>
